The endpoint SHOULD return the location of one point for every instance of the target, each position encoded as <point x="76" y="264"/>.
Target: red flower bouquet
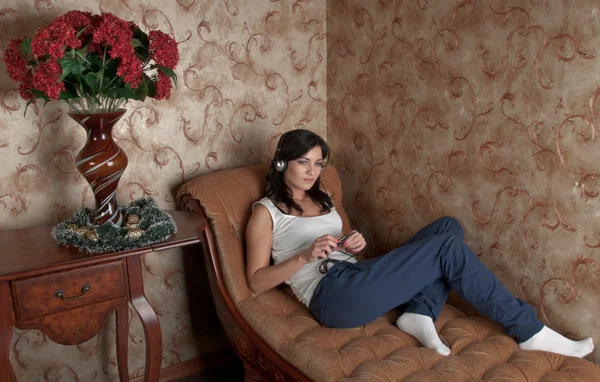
<point x="93" y="62"/>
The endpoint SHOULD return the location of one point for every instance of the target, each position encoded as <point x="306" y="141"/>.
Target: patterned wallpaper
<point x="475" y="109"/>
<point x="485" y="111"/>
<point x="250" y="70"/>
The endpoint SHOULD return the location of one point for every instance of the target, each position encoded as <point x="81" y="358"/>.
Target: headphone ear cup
<point x="280" y="165"/>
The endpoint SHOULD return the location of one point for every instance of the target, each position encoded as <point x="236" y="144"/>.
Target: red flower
<point x="94" y="47"/>
<point x="78" y="20"/>
<point x="26" y="86"/>
<point x="163" y="86"/>
<point x="15" y="63"/>
<point x="52" y="40"/>
<point x="130" y="68"/>
<point x="163" y="49"/>
<point x="46" y="78"/>
<point x="115" y="33"/>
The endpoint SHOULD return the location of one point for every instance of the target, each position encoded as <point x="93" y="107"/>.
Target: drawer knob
<point x="84" y="288"/>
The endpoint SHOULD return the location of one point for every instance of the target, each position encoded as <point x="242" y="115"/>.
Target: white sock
<point x="422" y="328"/>
<point x="548" y="340"/>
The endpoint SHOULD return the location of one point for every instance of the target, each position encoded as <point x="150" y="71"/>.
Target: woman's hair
<point x="293" y="145"/>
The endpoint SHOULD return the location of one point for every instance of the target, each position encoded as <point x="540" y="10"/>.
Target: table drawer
<point x="55" y="292"/>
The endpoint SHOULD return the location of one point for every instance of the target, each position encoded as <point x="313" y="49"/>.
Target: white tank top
<point x="292" y="235"/>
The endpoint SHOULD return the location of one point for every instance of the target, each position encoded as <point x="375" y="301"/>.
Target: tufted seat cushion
<point x="378" y="351"/>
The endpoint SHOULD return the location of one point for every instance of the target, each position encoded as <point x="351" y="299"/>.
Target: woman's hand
<point x="320" y="248"/>
<point x="355" y="243"/>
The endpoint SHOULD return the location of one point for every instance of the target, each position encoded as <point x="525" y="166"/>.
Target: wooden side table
<point x="68" y="294"/>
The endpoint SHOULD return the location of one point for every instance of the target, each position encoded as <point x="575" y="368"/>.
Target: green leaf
<point x="125" y="92"/>
<point x="91" y="80"/>
<point x="136" y="43"/>
<point x="26" y="47"/>
<point x="40" y="94"/>
<point x="141" y="44"/>
<point x="151" y="85"/>
<point x="165" y="70"/>
<point x="68" y="93"/>
<point x="168" y="72"/>
<point x="142" y="55"/>
<point x="142" y="37"/>
<point x="70" y="65"/>
<point x="141" y="92"/>
<point x="27" y="105"/>
<point x="81" y="55"/>
<point x="81" y="31"/>
<point x="110" y="68"/>
<point x="95" y="62"/>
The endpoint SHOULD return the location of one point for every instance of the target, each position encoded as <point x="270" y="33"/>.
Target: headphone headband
<point x="280" y="143"/>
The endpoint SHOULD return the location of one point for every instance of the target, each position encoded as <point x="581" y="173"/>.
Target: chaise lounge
<point x="278" y="340"/>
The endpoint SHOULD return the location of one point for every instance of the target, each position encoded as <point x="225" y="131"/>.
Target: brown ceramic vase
<point x="102" y="162"/>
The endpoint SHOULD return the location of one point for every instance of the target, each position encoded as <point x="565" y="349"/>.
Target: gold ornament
<point x="133" y="219"/>
<point x="131" y="225"/>
<point x="91" y="235"/>
<point x="72" y="227"/>
<point x="82" y="230"/>
<point x="134" y="233"/>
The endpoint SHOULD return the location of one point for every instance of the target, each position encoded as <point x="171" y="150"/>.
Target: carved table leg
<point x="148" y="318"/>
<point x="6" y="330"/>
<point x="122" y="338"/>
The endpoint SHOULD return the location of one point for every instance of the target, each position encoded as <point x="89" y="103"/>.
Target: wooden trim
<point x="194" y="366"/>
<point x="255" y="350"/>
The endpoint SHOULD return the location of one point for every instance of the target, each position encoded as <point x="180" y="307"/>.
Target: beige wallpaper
<point x="475" y="109"/>
<point x="484" y="111"/>
<point x="250" y="70"/>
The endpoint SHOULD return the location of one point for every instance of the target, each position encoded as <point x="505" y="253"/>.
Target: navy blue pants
<point x="419" y="274"/>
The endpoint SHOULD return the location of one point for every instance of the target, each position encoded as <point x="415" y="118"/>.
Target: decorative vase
<point x="102" y="162"/>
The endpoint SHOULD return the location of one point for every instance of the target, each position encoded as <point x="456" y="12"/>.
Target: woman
<point x="296" y="224"/>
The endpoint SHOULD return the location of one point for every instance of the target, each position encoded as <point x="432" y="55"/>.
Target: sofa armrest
<point x="261" y="362"/>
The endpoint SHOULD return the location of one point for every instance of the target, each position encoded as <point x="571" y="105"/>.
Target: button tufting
<point x="481" y="350"/>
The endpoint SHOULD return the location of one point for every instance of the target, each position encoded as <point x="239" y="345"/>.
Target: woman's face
<point x="303" y="172"/>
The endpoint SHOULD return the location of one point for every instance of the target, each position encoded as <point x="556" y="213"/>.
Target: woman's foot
<point x="422" y="328"/>
<point x="548" y="340"/>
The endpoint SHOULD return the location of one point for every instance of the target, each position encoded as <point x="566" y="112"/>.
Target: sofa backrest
<point x="227" y="197"/>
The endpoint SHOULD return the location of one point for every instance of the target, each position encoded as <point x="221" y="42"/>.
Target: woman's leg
<point x="423" y="309"/>
<point x="351" y="295"/>
<point x="426" y="306"/>
<point x="444" y="224"/>
<point x="431" y="299"/>
<point x="372" y="287"/>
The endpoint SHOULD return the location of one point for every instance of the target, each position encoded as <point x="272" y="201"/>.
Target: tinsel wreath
<point x="144" y="223"/>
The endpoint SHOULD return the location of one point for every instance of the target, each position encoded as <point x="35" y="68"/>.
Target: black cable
<point x="324" y="266"/>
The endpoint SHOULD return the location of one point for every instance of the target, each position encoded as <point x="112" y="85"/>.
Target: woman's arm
<point x="259" y="239"/>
